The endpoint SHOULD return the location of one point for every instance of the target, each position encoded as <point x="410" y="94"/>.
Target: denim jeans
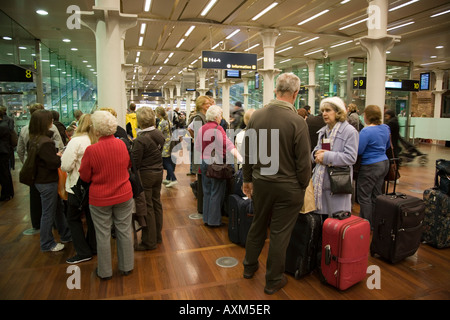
<point x="52" y="211"/>
<point x="169" y="166"/>
<point x="213" y="196"/>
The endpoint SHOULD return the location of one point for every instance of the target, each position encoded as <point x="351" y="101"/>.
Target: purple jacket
<point x="344" y="153"/>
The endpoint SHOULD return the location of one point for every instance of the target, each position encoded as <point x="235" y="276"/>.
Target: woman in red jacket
<point x="105" y="166"/>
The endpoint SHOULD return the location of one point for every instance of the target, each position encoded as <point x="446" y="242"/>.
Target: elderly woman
<point x="146" y="153"/>
<point x="374" y="140"/>
<point x="105" y="165"/>
<point x="85" y="245"/>
<point x="337" y="145"/>
<point x="213" y="189"/>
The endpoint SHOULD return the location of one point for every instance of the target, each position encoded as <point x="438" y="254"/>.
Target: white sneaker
<point x="165" y="182"/>
<point x="58" y="247"/>
<point x="171" y="184"/>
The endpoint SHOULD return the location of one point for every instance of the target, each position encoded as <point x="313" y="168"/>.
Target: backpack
<point x="27" y="174"/>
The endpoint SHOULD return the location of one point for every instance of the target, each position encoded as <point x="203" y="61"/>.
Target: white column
<point x="226" y="85"/>
<point x="375" y="44"/>
<point x="311" y="85"/>
<point x="245" y="81"/>
<point x="109" y="25"/>
<point x="438" y="91"/>
<point x="178" y="96"/>
<point x="171" y="97"/>
<point x="269" y="38"/>
<point x="202" y="77"/>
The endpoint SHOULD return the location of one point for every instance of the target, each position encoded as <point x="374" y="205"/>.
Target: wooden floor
<point x="184" y="265"/>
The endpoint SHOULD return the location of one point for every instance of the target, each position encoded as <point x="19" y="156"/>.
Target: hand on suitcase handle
<point x="247" y="189"/>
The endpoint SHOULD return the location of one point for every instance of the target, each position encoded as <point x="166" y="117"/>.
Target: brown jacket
<point x="292" y="146"/>
<point x="47" y="161"/>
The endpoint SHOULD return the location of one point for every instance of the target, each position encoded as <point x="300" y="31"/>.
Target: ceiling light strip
<point x="341" y="44"/>
<point x="259" y="15"/>
<point x="147" y="5"/>
<point x="309" y="40"/>
<point x="309" y="53"/>
<point x="400" y="26"/>
<point x="233" y="34"/>
<point x="285" y="49"/>
<point x="403" y="5"/>
<point x="440" y="14"/>
<point x="313" y="17"/>
<point x="353" y="24"/>
<point x="208" y="8"/>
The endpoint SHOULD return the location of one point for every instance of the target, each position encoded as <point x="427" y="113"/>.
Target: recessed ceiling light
<point x="22" y="48"/>
<point x="309" y="40"/>
<point x="433" y="57"/>
<point x="439" y="47"/>
<point x="439" y="14"/>
<point x="66" y="40"/>
<point x="400" y="26"/>
<point x="147" y="5"/>
<point x="42" y="12"/>
<point x="403" y="5"/>
<point x="7" y="38"/>
<point x="74" y="49"/>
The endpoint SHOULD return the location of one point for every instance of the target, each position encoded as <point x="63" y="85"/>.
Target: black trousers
<point x="85" y="244"/>
<point x="5" y="177"/>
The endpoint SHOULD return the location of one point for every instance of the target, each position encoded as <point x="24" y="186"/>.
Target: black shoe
<point x="104" y="278"/>
<point x="276" y="287"/>
<point x="77" y="259"/>
<point x="249" y="274"/>
<point x="141" y="247"/>
<point x="125" y="273"/>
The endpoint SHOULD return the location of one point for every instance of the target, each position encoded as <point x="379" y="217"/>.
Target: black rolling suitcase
<point x="397" y="226"/>
<point x="240" y="218"/>
<point x="301" y="254"/>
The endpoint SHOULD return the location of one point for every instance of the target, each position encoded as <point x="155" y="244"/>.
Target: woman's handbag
<point x="62" y="184"/>
<point x="217" y="170"/>
<point x="340" y="180"/>
<point x="393" y="173"/>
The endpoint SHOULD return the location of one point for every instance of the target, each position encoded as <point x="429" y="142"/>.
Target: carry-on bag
<point x="345" y="249"/>
<point x="240" y="218"/>
<point x="397" y="226"/>
<point x="301" y="253"/>
<point x="436" y="223"/>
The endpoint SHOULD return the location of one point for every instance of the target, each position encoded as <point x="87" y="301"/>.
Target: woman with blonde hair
<point x="165" y="127"/>
<point x="84" y="244"/>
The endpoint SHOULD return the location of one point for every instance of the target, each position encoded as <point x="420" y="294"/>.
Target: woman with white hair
<point x="337" y="145"/>
<point x="105" y="166"/>
<point x="213" y="189"/>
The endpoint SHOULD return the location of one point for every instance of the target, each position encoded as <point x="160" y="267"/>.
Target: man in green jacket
<point x="276" y="172"/>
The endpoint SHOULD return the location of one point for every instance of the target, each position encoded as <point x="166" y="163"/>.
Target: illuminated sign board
<point x="234" y="74"/>
<point x="425" y="81"/>
<point x="395" y="84"/>
<point x="229" y="60"/>
<point x="13" y="73"/>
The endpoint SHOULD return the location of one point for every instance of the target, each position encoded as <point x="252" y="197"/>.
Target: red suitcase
<point x="345" y="249"/>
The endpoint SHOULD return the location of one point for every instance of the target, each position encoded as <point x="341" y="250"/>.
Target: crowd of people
<point x="100" y="157"/>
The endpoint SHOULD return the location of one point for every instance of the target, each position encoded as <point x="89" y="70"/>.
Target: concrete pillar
<point x="375" y="44"/>
<point x="108" y="25"/>
<point x="178" y="96"/>
<point x="438" y="91"/>
<point x="245" y="81"/>
<point x="226" y="85"/>
<point x="171" y="97"/>
<point x="202" y="78"/>
<point x="312" y="85"/>
<point x="269" y="38"/>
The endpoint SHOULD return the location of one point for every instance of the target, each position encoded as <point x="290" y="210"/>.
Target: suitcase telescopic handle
<point x="341" y="215"/>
